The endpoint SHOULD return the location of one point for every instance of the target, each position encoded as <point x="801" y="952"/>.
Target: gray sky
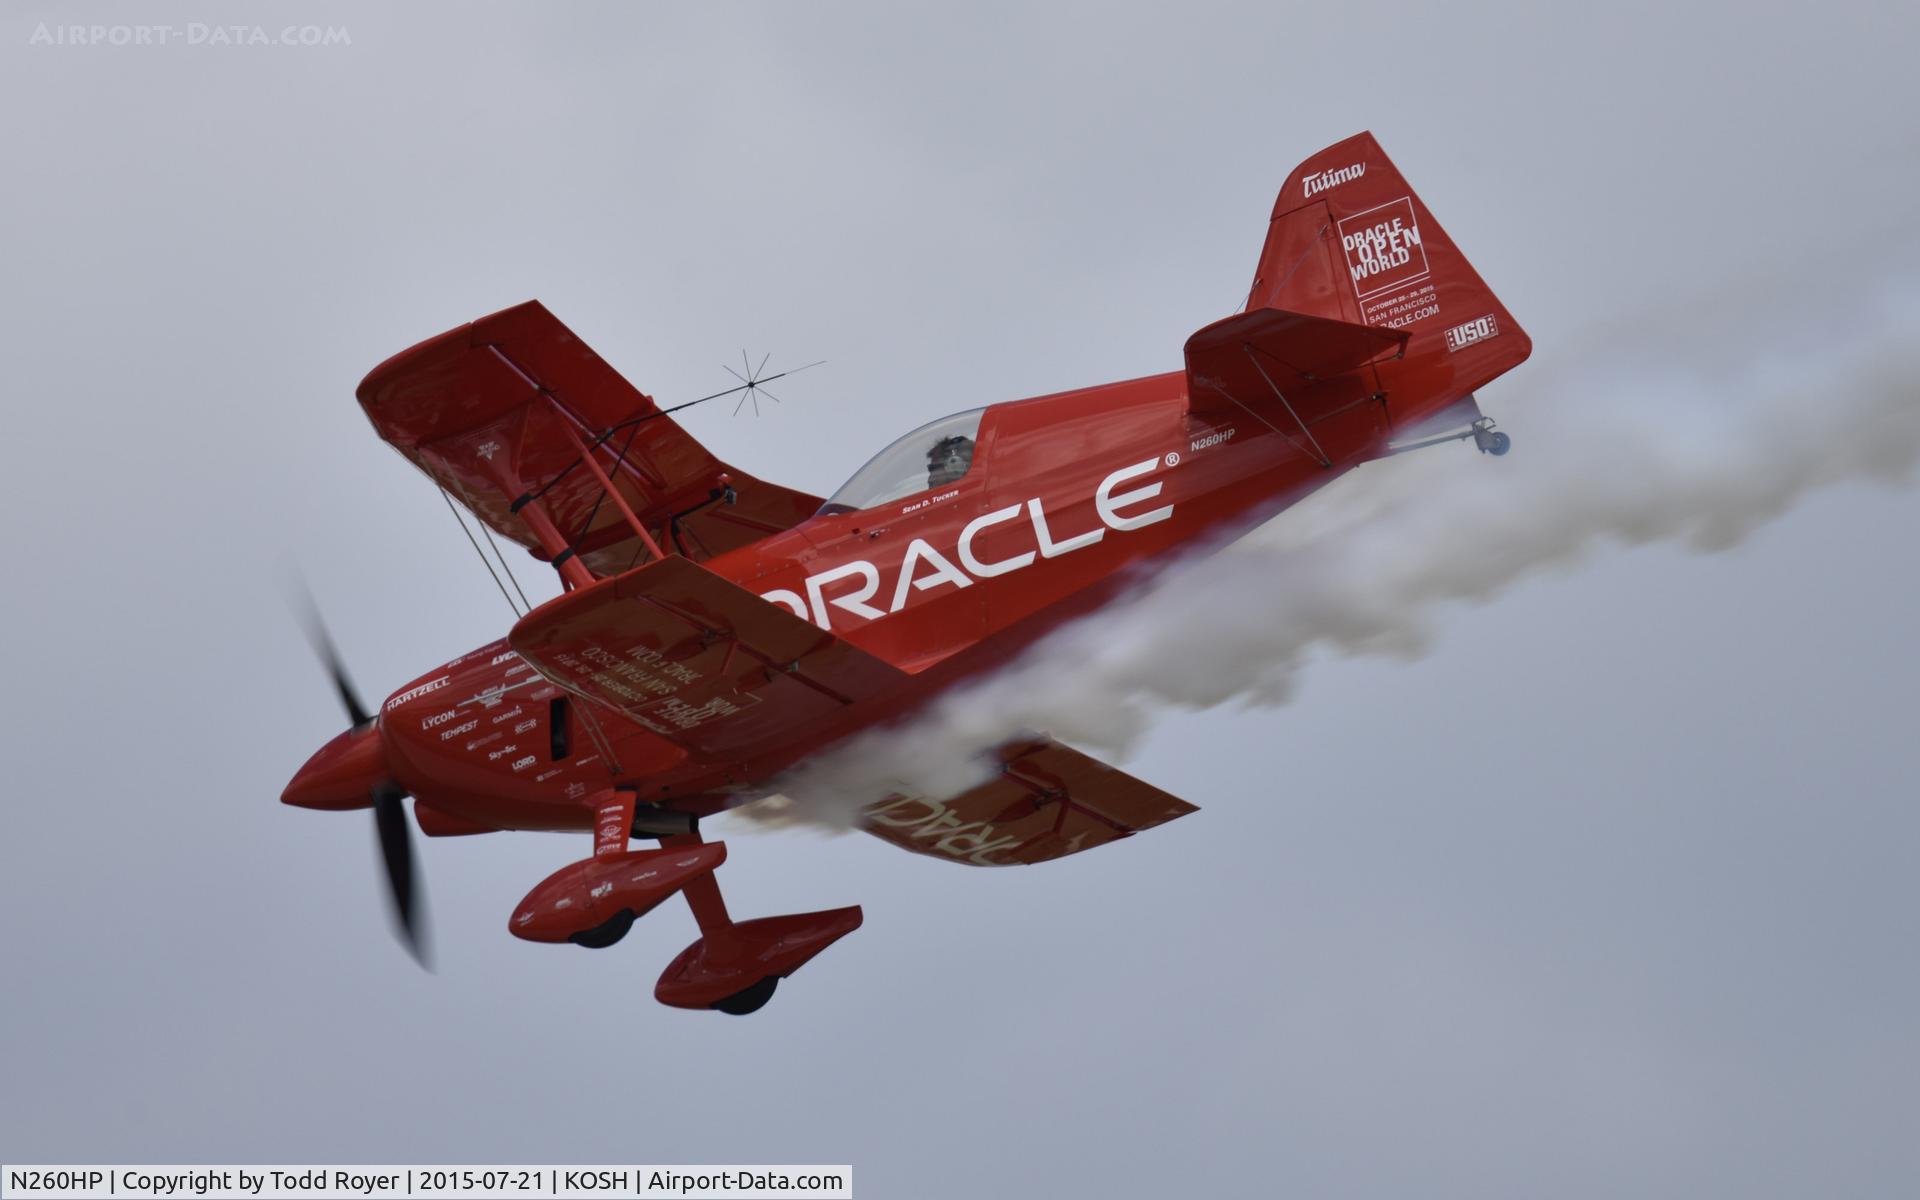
<point x="1612" y="893"/>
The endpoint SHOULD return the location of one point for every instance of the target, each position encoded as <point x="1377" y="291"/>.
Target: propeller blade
<point x="322" y="642"/>
<point x="396" y="854"/>
<point x="357" y="712"/>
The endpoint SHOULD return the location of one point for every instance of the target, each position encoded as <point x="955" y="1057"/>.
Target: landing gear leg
<point x="735" y="965"/>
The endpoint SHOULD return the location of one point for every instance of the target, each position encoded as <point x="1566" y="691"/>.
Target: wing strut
<point x="606" y="485"/>
<point x="560" y="553"/>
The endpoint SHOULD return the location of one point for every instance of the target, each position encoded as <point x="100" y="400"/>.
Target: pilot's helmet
<point x="948" y="460"/>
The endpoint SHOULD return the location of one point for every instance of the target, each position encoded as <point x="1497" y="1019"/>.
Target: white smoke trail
<point x="1699" y="443"/>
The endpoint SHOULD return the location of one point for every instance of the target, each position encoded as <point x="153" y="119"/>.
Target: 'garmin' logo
<point x="1324" y="181"/>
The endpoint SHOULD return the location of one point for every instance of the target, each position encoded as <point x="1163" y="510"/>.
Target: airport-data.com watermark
<point x="192" y="33"/>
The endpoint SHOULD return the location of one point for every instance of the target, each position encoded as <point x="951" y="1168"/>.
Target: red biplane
<point x="716" y="629"/>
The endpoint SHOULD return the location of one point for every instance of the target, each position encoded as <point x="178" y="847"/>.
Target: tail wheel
<point x="749" y="999"/>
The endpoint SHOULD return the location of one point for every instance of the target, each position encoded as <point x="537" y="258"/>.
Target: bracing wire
<point x="600" y="438"/>
<point x="504" y="566"/>
<point x="494" y="575"/>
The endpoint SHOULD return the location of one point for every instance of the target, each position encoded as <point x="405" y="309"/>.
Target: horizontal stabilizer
<point x="1290" y="347"/>
<point x="1293" y="371"/>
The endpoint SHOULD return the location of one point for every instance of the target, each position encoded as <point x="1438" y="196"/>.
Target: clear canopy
<point x="932" y="456"/>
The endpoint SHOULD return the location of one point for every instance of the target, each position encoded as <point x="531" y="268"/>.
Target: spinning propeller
<point x="354" y="758"/>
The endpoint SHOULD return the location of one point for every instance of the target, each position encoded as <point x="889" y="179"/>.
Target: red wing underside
<point x="499" y="409"/>
<point x="698" y="660"/>
<point x="1048" y="801"/>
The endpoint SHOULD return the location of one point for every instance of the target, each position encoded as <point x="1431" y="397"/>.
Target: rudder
<point x="1350" y="240"/>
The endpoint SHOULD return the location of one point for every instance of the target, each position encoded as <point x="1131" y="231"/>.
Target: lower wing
<point x="1047" y="801"/>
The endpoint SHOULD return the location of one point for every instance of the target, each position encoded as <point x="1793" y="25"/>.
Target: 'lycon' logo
<point x="1323" y="181"/>
<point x="923" y="568"/>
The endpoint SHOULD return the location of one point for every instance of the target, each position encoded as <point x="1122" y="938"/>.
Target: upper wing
<point x="501" y="409"/>
<point x="1047" y="802"/>
<point x="698" y="660"/>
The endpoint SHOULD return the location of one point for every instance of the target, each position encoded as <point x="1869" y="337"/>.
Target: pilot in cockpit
<point x="948" y="460"/>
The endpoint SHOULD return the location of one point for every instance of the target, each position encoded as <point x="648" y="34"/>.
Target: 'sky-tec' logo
<point x="923" y="568"/>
